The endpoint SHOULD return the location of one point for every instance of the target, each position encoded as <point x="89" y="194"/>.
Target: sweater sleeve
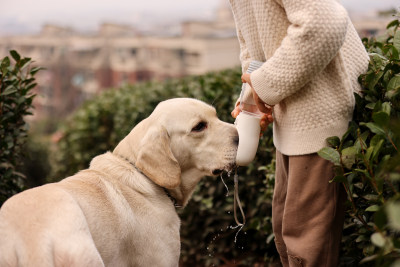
<point x="244" y="52"/>
<point x="316" y="32"/>
<point x="245" y="60"/>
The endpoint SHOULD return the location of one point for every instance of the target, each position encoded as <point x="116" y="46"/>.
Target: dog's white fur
<point x="117" y="212"/>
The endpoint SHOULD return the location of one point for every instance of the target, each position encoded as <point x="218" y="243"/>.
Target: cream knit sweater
<point x="313" y="57"/>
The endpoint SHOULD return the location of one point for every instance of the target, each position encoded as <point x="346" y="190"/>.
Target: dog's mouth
<point x="227" y="168"/>
<point x="217" y="171"/>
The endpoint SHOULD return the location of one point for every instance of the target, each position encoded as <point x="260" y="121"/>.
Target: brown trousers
<point x="307" y="211"/>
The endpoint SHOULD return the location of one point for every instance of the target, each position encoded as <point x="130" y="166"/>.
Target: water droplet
<point x="227" y="189"/>
<point x="234" y="227"/>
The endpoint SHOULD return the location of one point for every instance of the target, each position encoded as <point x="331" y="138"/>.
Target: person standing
<point x="312" y="59"/>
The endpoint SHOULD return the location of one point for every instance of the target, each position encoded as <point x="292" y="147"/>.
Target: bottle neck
<point x="249" y="108"/>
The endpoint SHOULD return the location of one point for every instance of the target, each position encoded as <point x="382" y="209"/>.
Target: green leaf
<point x="28" y="81"/>
<point x="330" y="154"/>
<point x="373" y="208"/>
<point x="377" y="149"/>
<point x="15" y="55"/>
<point x="24" y="63"/>
<point x="396" y="264"/>
<point x="393" y="23"/>
<point x="378" y="105"/>
<point x="388" y="74"/>
<point x="378" y="60"/>
<point x="9" y="90"/>
<point x="35" y="70"/>
<point x="370" y="105"/>
<point x="349" y="156"/>
<point x="393" y="213"/>
<point x="361" y="141"/>
<point x="333" y="141"/>
<point x="270" y="238"/>
<point x="375" y="77"/>
<point x="394" y="177"/>
<point x="361" y="238"/>
<point x="394" y="55"/>
<point x="368" y="155"/>
<point x="5" y="63"/>
<point x="365" y="172"/>
<point x="381" y="118"/>
<point x="369" y="258"/>
<point x="396" y="40"/>
<point x="378" y="240"/>
<point x="374" y="128"/>
<point x="29" y="87"/>
<point x="394" y="83"/>
<point x="386" y="107"/>
<point x="10" y="144"/>
<point x="375" y="140"/>
<point x="338" y="179"/>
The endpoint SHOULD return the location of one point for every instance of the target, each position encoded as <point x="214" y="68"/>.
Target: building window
<point x="192" y="58"/>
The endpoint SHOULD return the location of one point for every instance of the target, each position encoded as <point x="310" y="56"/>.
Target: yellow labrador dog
<point x="120" y="212"/>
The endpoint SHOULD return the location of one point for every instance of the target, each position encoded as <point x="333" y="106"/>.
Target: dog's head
<point x="181" y="141"/>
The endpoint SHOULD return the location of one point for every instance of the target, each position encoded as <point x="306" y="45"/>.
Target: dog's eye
<point x="201" y="126"/>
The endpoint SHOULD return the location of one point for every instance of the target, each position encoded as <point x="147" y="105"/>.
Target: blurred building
<point x="79" y="66"/>
<point x="373" y="23"/>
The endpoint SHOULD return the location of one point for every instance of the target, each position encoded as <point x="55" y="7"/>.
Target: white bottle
<point x="248" y="126"/>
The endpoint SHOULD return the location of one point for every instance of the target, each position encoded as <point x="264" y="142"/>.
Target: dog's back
<point x="91" y="219"/>
<point x="33" y="234"/>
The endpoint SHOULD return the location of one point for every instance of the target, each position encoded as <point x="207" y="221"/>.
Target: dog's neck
<point x="184" y="191"/>
<point x="180" y="195"/>
<point x="117" y="168"/>
<point x="173" y="200"/>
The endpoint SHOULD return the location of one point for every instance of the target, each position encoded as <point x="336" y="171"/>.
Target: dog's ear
<point x="155" y="158"/>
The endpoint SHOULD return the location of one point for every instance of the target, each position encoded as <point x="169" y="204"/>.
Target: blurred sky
<point x="27" y="16"/>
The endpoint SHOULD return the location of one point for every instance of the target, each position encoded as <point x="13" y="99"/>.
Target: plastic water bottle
<point x="248" y="124"/>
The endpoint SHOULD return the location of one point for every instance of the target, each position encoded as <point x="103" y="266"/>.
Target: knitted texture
<point x="313" y="57"/>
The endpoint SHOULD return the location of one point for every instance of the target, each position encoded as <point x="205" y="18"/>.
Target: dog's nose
<point x="236" y="140"/>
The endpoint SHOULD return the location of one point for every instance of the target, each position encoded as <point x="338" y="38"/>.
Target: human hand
<point x="261" y="105"/>
<point x="266" y="118"/>
<point x="263" y="108"/>
<point x="246" y="79"/>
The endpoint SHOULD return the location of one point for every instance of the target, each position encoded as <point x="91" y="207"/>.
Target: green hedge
<point x="366" y="158"/>
<point x="16" y="84"/>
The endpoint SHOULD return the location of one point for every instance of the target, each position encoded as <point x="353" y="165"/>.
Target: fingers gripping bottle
<point x="248" y="123"/>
